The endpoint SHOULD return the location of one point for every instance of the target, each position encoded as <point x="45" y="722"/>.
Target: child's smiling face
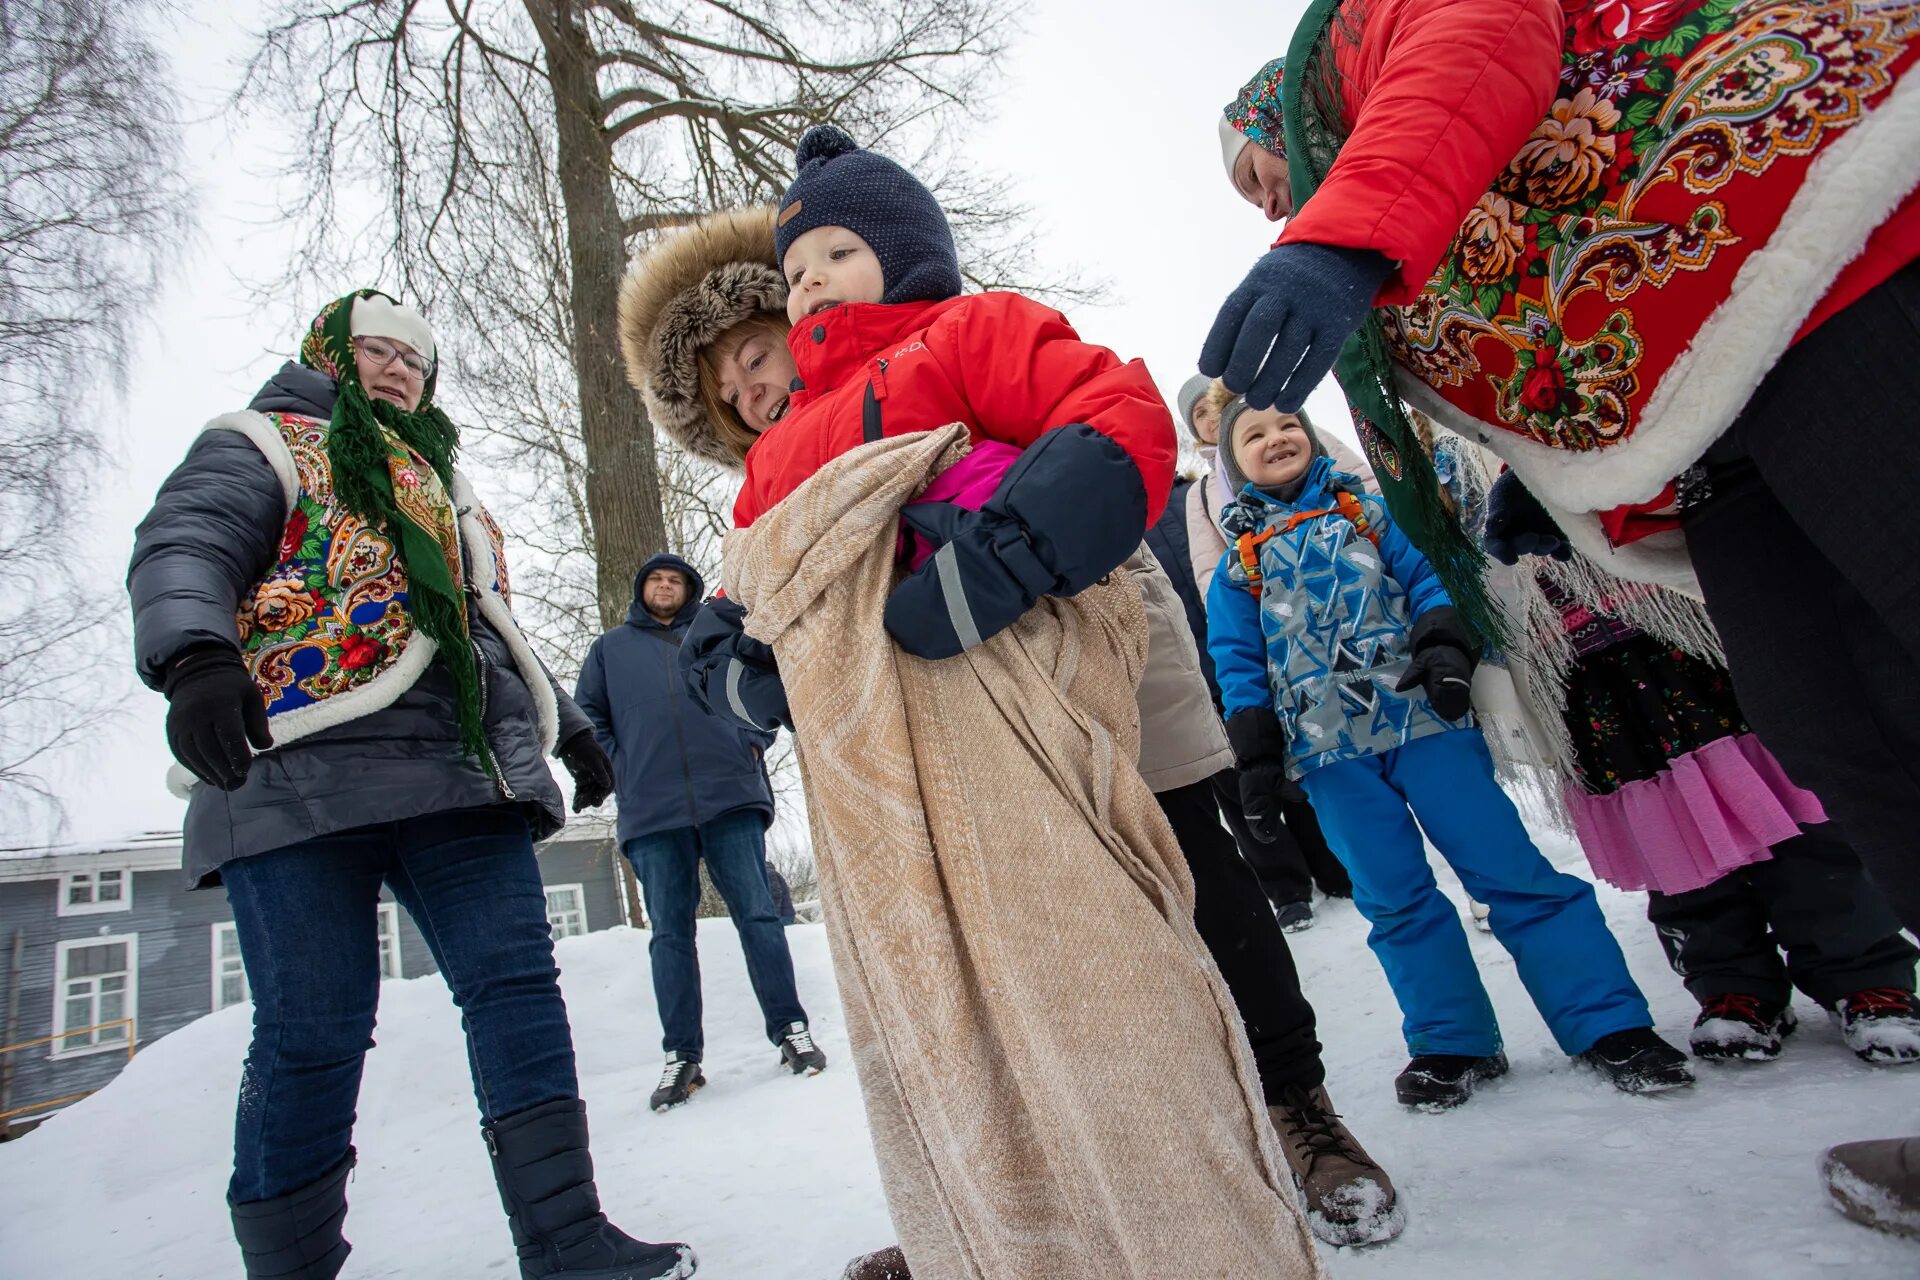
<point x="1272" y="448"/>
<point x="828" y="266"/>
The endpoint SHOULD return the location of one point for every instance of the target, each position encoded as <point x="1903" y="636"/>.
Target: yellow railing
<point x="70" y="1032"/>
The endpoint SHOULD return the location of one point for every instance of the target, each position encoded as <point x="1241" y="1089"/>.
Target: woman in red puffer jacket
<point x="1655" y="255"/>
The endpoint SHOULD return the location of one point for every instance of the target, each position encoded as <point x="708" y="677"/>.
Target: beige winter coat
<point x="1181" y="738"/>
<point x="1056" y="1080"/>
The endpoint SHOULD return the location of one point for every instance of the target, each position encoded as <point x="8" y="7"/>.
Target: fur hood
<point x="687" y="290"/>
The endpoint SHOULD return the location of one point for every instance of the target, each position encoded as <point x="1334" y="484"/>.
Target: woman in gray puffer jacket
<point x="325" y="604"/>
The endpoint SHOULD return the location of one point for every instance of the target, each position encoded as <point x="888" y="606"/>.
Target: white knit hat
<point x="1232" y="142"/>
<point x="377" y="317"/>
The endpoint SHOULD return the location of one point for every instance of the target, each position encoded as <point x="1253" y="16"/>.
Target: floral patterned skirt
<point x="1674" y="790"/>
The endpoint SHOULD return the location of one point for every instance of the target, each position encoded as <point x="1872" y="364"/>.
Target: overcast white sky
<point x="1106" y="124"/>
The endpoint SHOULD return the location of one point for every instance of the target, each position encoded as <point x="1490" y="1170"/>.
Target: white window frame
<point x="64" y="906"/>
<point x="220" y="928"/>
<point x="579" y="892"/>
<point x="391" y="966"/>
<point x="132" y="1000"/>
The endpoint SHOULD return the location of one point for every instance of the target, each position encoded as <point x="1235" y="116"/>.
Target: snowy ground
<point x="1546" y="1174"/>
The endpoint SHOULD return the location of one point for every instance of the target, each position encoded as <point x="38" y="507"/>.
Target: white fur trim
<point x="257" y="428"/>
<point x="379" y="318"/>
<point x="473" y="534"/>
<point x="1232" y="143"/>
<point x="1849" y="191"/>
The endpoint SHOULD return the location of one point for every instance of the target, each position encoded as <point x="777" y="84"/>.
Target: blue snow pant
<point x="1549" y="922"/>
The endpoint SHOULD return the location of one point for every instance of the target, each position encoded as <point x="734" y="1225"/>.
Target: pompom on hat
<point x="1254" y="115"/>
<point x="839" y="184"/>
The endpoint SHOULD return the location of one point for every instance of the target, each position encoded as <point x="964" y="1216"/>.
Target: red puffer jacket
<point x="1007" y="367"/>
<point x="1441" y="94"/>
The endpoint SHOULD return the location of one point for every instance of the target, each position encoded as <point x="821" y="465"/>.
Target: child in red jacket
<point x="885" y="345"/>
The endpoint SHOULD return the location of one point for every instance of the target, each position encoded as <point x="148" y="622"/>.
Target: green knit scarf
<point x="1311" y="126"/>
<point x="358" y="450"/>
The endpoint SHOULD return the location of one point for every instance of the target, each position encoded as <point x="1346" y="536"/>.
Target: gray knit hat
<point x="1189" y="399"/>
<point x="1229" y="418"/>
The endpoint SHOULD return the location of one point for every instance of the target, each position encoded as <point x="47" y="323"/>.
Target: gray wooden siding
<point x="175" y="955"/>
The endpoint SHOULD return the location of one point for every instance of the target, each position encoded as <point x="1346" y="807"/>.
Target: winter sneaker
<point x="888" y="1264"/>
<point x="1737" y="1027"/>
<point x="1881" y="1025"/>
<point x="799" y="1053"/>
<point x="1482" y="915"/>
<point x="1442" y="1081"/>
<point x="1876" y="1183"/>
<point x="1294" y="917"/>
<point x="678" y="1082"/>
<point x="1348" y="1198"/>
<point x="545" y="1176"/>
<point x="1638" y="1061"/>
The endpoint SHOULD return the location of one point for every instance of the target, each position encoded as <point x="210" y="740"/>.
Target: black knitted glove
<point x="1278" y="334"/>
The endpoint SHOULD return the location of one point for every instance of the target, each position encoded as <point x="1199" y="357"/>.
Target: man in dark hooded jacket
<point x="692" y="787"/>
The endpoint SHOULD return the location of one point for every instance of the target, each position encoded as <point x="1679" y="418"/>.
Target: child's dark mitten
<point x="1517" y="525"/>
<point x="1443" y="648"/>
<point x="729" y="673"/>
<point x="1260" y="750"/>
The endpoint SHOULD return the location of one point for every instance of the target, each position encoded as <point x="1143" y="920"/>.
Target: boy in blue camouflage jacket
<point x="1345" y="671"/>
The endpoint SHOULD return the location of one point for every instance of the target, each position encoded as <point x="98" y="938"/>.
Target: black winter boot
<point x="296" y="1236"/>
<point x="545" y="1173"/>
<point x="1638" y="1061"/>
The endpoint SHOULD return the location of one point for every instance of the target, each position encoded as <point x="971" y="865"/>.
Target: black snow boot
<point x="545" y="1174"/>
<point x="1737" y="1027"/>
<point x="1442" y="1081"/>
<point x="798" y="1053"/>
<point x="1638" y="1061"/>
<point x="296" y="1236"/>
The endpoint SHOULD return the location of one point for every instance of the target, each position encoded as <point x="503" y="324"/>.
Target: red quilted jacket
<point x="1439" y="95"/>
<point x="1007" y="367"/>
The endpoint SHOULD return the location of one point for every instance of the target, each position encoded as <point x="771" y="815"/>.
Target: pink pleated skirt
<point x="1711" y="811"/>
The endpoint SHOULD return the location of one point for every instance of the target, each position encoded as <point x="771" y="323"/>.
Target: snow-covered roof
<point x="145" y="851"/>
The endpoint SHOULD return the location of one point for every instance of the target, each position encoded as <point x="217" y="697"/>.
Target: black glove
<point x="729" y="673"/>
<point x="1069" y="510"/>
<point x="1278" y="334"/>
<point x="1517" y="525"/>
<point x="1260" y="750"/>
<point x="214" y="711"/>
<point x="592" y="771"/>
<point x="1443" y="661"/>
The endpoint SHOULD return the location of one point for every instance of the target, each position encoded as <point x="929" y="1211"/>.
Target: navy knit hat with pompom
<point x="840" y="185"/>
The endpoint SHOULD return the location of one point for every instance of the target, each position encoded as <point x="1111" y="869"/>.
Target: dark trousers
<point x="1811" y="901"/>
<point x="668" y="864"/>
<point x="306" y="917"/>
<point x="1802" y="546"/>
<point x="1290" y="866"/>
<point x="1238" y="927"/>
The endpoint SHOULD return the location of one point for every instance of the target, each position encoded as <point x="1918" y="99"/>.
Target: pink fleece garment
<point x="968" y="483"/>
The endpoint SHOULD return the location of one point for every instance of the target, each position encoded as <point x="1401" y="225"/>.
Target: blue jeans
<point x="668" y="864"/>
<point x="306" y="916"/>
<point x="1548" y="921"/>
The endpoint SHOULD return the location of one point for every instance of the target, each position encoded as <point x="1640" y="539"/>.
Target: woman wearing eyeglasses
<point x="324" y="602"/>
